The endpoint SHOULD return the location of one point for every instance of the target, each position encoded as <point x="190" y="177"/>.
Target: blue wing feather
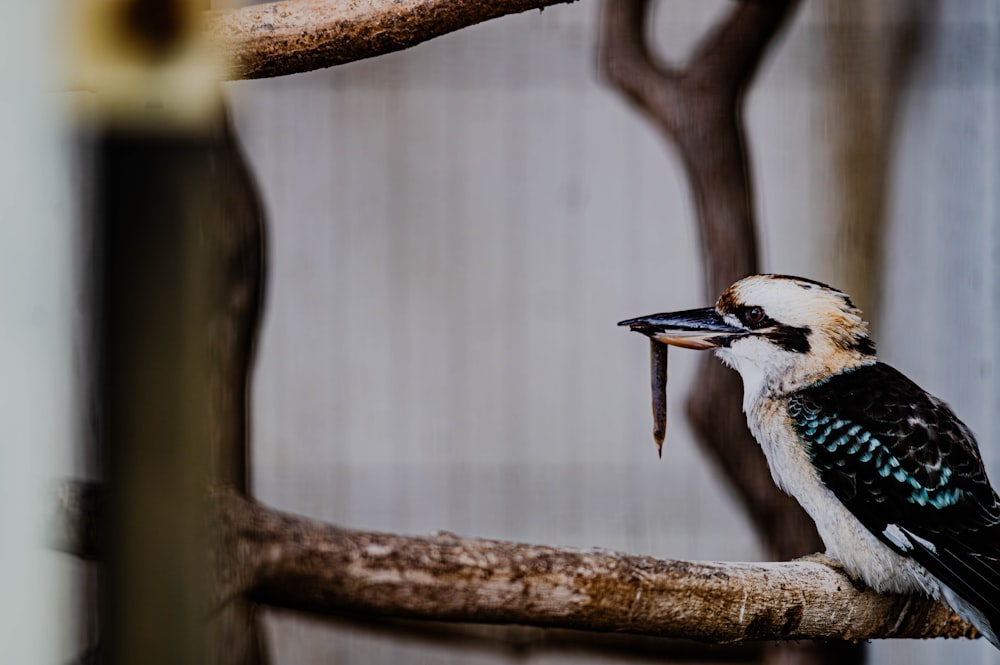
<point x="895" y="455"/>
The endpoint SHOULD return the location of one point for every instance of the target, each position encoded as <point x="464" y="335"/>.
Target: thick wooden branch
<point x="294" y="36"/>
<point x="290" y="561"/>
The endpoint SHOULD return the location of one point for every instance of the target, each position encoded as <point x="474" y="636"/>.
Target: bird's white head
<point x="780" y="333"/>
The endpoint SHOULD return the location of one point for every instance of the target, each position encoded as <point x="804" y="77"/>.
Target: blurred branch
<point x="699" y="109"/>
<point x="76" y="518"/>
<point x="295" y="36"/>
<point x="290" y="561"/>
<point x="867" y="71"/>
<point x="238" y="245"/>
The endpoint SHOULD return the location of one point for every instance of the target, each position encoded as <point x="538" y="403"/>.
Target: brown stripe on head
<point x="822" y="309"/>
<point x="728" y="302"/>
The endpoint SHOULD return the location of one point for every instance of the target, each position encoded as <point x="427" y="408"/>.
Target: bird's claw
<point x="830" y="562"/>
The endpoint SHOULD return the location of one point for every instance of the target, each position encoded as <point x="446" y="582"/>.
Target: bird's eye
<point x="753" y="315"/>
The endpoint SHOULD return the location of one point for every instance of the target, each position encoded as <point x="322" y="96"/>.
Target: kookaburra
<point x="893" y="479"/>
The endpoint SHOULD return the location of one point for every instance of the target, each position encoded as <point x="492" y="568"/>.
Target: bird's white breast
<point x="863" y="555"/>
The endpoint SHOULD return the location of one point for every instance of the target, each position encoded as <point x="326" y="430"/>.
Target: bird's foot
<point x="823" y="558"/>
<point x="830" y="562"/>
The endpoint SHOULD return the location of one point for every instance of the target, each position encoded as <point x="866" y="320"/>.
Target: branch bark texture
<point x="450" y="578"/>
<point x="290" y="561"/>
<point x="294" y="36"/>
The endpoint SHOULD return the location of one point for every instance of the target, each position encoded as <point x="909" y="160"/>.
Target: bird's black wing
<point x="911" y="472"/>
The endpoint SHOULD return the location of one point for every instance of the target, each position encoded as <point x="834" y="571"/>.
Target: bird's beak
<point x="692" y="328"/>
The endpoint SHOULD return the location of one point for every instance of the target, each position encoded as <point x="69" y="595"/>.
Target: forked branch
<point x="699" y="109"/>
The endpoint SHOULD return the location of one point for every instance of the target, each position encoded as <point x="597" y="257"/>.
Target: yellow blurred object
<point x="150" y="64"/>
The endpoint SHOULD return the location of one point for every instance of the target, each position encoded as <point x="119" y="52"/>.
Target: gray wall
<point x="455" y="230"/>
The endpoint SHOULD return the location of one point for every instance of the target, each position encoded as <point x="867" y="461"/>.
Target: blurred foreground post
<point x="155" y="97"/>
<point x="152" y="199"/>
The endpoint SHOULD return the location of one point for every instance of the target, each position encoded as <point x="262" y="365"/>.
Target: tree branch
<point x="290" y="561"/>
<point x="699" y="109"/>
<point x="728" y="57"/>
<point x="295" y="36"/>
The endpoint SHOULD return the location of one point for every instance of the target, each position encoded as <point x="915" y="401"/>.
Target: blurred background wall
<point x="38" y="247"/>
<point x="456" y="229"/>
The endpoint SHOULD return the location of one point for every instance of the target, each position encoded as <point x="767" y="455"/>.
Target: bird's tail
<point x="987" y="625"/>
<point x="970" y="578"/>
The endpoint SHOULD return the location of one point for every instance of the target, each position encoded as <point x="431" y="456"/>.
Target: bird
<point x="894" y="481"/>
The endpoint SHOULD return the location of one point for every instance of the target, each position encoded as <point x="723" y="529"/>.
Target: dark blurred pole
<point x="155" y="284"/>
<point x="152" y="203"/>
